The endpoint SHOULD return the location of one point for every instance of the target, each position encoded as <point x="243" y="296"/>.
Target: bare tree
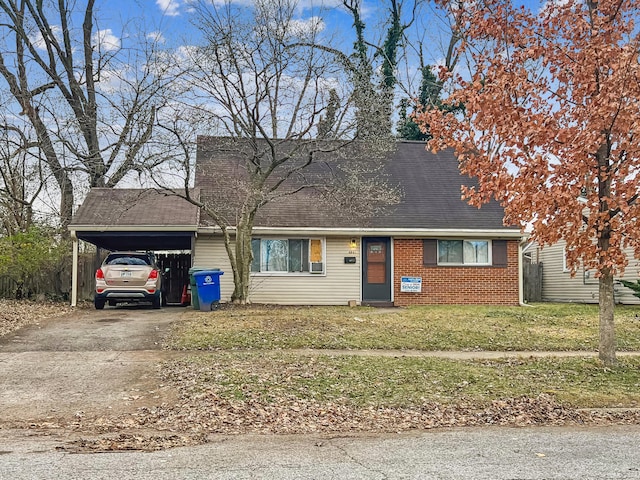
<point x="91" y="102"/>
<point x="371" y="57"/>
<point x="21" y="179"/>
<point x="442" y="34"/>
<point x="284" y="115"/>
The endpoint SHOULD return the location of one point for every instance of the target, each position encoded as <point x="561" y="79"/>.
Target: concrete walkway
<point x="454" y="355"/>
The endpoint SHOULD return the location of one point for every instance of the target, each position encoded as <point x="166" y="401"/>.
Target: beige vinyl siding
<point x="339" y="284"/>
<point x="559" y="286"/>
<point x="209" y="252"/>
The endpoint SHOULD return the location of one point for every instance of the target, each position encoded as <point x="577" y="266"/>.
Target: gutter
<point x="521" y="251"/>
<point x="129" y="228"/>
<point x="388" y="232"/>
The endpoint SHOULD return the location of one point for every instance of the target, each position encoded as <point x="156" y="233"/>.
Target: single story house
<point x="558" y="285"/>
<point x="429" y="248"/>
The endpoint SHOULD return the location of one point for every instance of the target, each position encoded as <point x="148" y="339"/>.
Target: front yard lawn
<point x="252" y="364"/>
<point x="287" y="392"/>
<point x="553" y="327"/>
<point x="276" y="377"/>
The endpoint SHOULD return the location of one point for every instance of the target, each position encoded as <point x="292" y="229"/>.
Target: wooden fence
<point x="55" y="283"/>
<point x="178" y="276"/>
<point x="532" y="273"/>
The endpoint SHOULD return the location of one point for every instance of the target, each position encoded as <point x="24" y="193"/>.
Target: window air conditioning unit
<point x="317" y="267"/>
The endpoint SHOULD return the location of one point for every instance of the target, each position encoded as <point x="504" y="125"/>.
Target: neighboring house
<point x="558" y="285"/>
<point x="431" y="248"/>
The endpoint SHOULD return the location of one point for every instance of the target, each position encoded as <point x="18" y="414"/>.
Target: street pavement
<point x="494" y="453"/>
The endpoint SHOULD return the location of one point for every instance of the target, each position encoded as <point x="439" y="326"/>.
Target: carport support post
<point x="74" y="271"/>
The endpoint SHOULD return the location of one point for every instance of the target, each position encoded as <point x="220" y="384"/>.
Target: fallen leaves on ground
<point x="201" y="411"/>
<point x="15" y="314"/>
<point x="127" y="441"/>
<point x="191" y="421"/>
<point x="212" y="414"/>
<point x="194" y="418"/>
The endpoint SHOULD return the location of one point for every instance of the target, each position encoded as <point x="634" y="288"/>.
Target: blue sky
<point x="173" y="20"/>
<point x="174" y="13"/>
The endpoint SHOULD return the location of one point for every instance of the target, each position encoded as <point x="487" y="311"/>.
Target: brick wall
<point x="454" y="285"/>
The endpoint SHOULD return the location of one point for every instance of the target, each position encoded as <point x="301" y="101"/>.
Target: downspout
<point x="521" y="301"/>
<point x="74" y="270"/>
<point x="193" y="248"/>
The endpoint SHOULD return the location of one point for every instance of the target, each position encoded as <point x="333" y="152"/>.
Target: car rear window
<point x="128" y="260"/>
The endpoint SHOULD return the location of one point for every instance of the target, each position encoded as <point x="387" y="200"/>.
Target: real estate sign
<point x="411" y="284"/>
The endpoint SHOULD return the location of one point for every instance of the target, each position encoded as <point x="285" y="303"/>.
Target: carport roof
<point x="136" y="219"/>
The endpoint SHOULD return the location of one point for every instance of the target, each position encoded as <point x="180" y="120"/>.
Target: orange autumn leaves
<point x="551" y="121"/>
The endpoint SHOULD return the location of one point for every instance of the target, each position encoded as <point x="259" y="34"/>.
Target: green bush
<point x="635" y="286"/>
<point x="32" y="260"/>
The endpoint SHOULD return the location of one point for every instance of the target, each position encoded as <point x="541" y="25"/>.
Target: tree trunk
<point x="242" y="274"/>
<point x="61" y="175"/>
<point x="607" y="347"/>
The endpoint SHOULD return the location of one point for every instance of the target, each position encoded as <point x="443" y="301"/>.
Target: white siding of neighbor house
<point x="559" y="286"/>
<point x="339" y="284"/>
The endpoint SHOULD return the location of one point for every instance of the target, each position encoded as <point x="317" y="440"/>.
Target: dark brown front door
<point x="376" y="269"/>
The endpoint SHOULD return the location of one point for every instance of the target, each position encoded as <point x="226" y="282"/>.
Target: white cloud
<point x="171" y="8"/>
<point x="156" y="37"/>
<point x="106" y="40"/>
<point x="301" y="27"/>
<point x="301" y="5"/>
<point x="311" y="4"/>
<point x="549" y="7"/>
<point x="38" y="39"/>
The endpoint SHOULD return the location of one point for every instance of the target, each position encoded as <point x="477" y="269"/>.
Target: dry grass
<point x="253" y="362"/>
<point x="542" y="327"/>
<point x="273" y="377"/>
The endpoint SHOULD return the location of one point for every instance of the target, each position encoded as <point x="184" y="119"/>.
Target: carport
<point x="132" y="219"/>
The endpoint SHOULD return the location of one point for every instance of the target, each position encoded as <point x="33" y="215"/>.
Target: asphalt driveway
<point x="88" y="363"/>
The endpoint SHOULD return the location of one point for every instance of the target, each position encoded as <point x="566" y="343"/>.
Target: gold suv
<point x="129" y="277"/>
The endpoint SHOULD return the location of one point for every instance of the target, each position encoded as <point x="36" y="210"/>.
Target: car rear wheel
<point x="98" y="303"/>
<point x="157" y="301"/>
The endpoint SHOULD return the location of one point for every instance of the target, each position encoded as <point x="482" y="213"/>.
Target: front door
<point x="376" y="269"/>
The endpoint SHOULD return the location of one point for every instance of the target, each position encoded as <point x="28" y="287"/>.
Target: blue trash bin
<point x="194" y="287"/>
<point x="208" y="284"/>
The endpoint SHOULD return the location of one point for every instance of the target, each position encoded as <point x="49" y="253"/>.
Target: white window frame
<point x="310" y="272"/>
<point x="463" y="264"/>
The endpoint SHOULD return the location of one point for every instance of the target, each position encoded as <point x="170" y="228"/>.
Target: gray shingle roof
<point x="431" y="186"/>
<point x="134" y="207"/>
<point x="432" y="195"/>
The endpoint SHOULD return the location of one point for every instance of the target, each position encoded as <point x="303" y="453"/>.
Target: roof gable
<point x="430" y="185"/>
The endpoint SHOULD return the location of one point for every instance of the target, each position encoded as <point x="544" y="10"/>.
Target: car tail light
<point x="99" y="274"/>
<point x="153" y="275"/>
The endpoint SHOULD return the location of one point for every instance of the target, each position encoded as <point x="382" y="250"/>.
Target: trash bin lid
<point x="203" y="273"/>
<point x="200" y="269"/>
